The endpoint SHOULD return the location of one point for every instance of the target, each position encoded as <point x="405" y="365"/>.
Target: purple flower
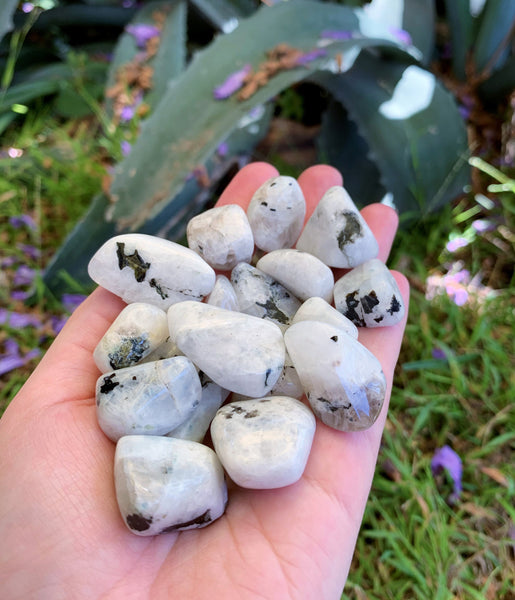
<point x="19" y="295"/>
<point x="71" y="301"/>
<point x="22" y="221"/>
<point x="142" y="32"/>
<point x="336" y="34"/>
<point x="29" y="250"/>
<point x="222" y="149"/>
<point x="402" y="35"/>
<point x="10" y="362"/>
<point x="24" y="275"/>
<point x="8" y="261"/>
<point x="311" y="56"/>
<point x="12" y="358"/>
<point x="18" y="320"/>
<point x="459" y="297"/>
<point x="232" y="84"/>
<point x="483" y="225"/>
<point x="446" y="458"/>
<point x="58" y="323"/>
<point x="438" y="353"/>
<point x="125" y="147"/>
<point x="456" y="243"/>
<point x="464" y="112"/>
<point x="127" y="113"/>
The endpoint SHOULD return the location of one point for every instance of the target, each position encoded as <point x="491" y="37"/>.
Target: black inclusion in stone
<point x="351" y="230"/>
<point x="109" y="384"/>
<point x="203" y="519"/>
<point x="334" y="338"/>
<point x="138" y="522"/>
<point x="395" y="306"/>
<point x="153" y="284"/>
<point x="251" y="414"/>
<point x="130" y="351"/>
<point x="273" y="312"/>
<point x="267" y="375"/>
<point x="368" y="301"/>
<point x="352" y="302"/>
<point x="133" y="261"/>
<point x="264" y="203"/>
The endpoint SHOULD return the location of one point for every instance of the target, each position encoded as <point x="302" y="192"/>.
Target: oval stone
<point x="317" y="309"/>
<point x="223" y="294"/>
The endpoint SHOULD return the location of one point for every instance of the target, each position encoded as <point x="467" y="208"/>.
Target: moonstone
<point x="264" y="443"/>
<point x="150" y="399"/>
<point x="337" y="233"/>
<point x="223" y="294"/>
<point x="344" y="382"/>
<point x="222" y="236"/>
<point x="288" y="383"/>
<point x="164" y="484"/>
<point x="303" y="274"/>
<point x="144" y="268"/>
<point x="369" y="295"/>
<point x="317" y="309"/>
<point x="168" y="349"/>
<point x="240" y="353"/>
<point x="262" y="296"/>
<point x="276" y="213"/>
<point x="136" y="332"/>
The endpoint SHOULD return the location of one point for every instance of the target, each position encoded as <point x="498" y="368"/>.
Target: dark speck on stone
<point x="133" y="261"/>
<point x="378" y="319"/>
<point x="272" y="209"/>
<point x="109" y="384"/>
<point x="273" y="312"/>
<point x="203" y="519"/>
<point x="351" y="230"/>
<point x="395" y="306"/>
<point x="351" y="313"/>
<point x="134" y="378"/>
<point x="368" y="301"/>
<point x="334" y="338"/>
<point x="153" y="284"/>
<point x="267" y="375"/>
<point x="138" y="522"/>
<point x="264" y="203"/>
<point x="251" y="413"/>
<point x="274" y="183"/>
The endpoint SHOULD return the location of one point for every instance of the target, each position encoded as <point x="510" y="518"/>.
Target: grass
<point x="413" y="543"/>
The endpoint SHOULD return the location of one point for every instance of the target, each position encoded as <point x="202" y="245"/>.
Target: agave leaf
<point x="461" y="29"/>
<point x="83" y="15"/>
<point x="7" y="8"/>
<point x="492" y="44"/>
<point x="188" y="124"/>
<point x="224" y="15"/>
<point x="501" y="83"/>
<point x="413" y="129"/>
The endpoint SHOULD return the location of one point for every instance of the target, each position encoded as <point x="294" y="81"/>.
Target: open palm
<point x="61" y="531"/>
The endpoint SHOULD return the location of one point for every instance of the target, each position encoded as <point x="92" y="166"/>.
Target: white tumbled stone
<point x="369" y="296"/>
<point x="343" y="381"/>
<point x="276" y="213"/>
<point x="303" y="274"/>
<point x="223" y="294"/>
<point x="136" y="332"/>
<point x="336" y="232"/>
<point x="317" y="309"/>
<point x="168" y="349"/>
<point x="288" y="383"/>
<point x="239" y="352"/>
<point x="264" y="443"/>
<point x="143" y="268"/>
<point x="165" y="484"/>
<point x="222" y="236"/>
<point x="262" y="296"/>
<point x="149" y="399"/>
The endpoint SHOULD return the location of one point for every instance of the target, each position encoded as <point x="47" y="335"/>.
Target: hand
<point x="61" y="531"/>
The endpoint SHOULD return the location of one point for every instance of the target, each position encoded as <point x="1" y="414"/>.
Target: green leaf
<point x="224" y="15"/>
<point x="78" y="14"/>
<point x="188" y="124"/>
<point x="7" y="9"/>
<point x="413" y="129"/>
<point x="461" y="29"/>
<point x="419" y="20"/>
<point x="493" y="39"/>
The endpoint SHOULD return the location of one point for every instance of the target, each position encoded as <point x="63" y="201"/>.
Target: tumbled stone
<point x="149" y="399"/>
<point x="369" y="295"/>
<point x="223" y="294"/>
<point x="168" y="349"/>
<point x="144" y="268"/>
<point x="137" y="331"/>
<point x="337" y="233"/>
<point x="303" y="274"/>
<point x="276" y="213"/>
<point x="264" y="443"/>
<point x="239" y="352"/>
<point x="165" y="484"/>
<point x="317" y="309"/>
<point x="343" y="381"/>
<point x="196" y="426"/>
<point x="222" y="236"/>
<point x="288" y="383"/>
<point x="262" y="296"/>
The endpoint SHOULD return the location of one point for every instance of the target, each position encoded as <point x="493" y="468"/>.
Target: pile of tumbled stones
<point x="266" y="333"/>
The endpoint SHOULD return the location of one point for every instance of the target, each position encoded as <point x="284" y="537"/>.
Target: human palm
<point x="61" y="531"/>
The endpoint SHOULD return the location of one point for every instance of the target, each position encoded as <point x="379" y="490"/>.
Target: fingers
<point x="245" y="183"/>
<point x="315" y="182"/>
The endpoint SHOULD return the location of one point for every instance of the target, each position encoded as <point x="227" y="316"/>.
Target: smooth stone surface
<point x="317" y="309"/>
<point x="145" y="268"/>
<point x="196" y="426"/>
<point x="369" y="295"/>
<point x="303" y="274"/>
<point x="276" y="213"/>
<point x="288" y="383"/>
<point x="345" y="384"/>
<point x="223" y="294"/>
<point x="239" y="352"/>
<point x="337" y="233"/>
<point x="136" y="332"/>
<point x="149" y="399"/>
<point x="164" y="484"/>
<point x="262" y="296"/>
<point x="264" y="443"/>
<point x="222" y="236"/>
<point x="168" y="349"/>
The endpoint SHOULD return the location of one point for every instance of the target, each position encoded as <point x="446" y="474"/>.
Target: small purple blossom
<point x="446" y="458"/>
<point x="125" y="147"/>
<point x="311" y="56"/>
<point x="464" y="112"/>
<point x="24" y="275"/>
<point x="337" y="34"/>
<point x="438" y="353"/>
<point x="402" y="35"/>
<point x="10" y="362"/>
<point x="27" y="7"/>
<point x="232" y="84"/>
<point x="142" y="33"/>
<point x="18" y="221"/>
<point x="127" y="113"/>
<point x="72" y="301"/>
<point x="482" y="225"/>
<point x="456" y="243"/>
<point x="222" y="149"/>
<point x="12" y="359"/>
<point x="29" y="250"/>
<point x="19" y="295"/>
<point x="58" y="323"/>
<point x="8" y="261"/>
<point x="18" y="320"/>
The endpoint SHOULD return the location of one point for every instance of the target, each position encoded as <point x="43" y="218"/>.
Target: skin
<point x="61" y="531"/>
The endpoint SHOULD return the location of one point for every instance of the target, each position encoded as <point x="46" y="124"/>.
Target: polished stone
<point x="165" y="484"/>
<point x="337" y="233"/>
<point x="239" y="352"/>
<point x="369" y="295"/>
<point x="317" y="309"/>
<point x="222" y="236"/>
<point x="264" y="443"/>
<point x="288" y="383"/>
<point x="144" y="268"/>
<point x="303" y="274"/>
<point x="223" y="294"/>
<point x="136" y="332"/>
<point x="276" y="213"/>
<point x="343" y="381"/>
<point x="149" y="399"/>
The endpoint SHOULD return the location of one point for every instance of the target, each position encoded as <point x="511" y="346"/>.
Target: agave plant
<point x="390" y="126"/>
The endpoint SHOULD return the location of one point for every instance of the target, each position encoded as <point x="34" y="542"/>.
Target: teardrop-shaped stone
<point x="345" y="384"/>
<point x="223" y="294"/>
<point x="239" y="352"/>
<point x="317" y="309"/>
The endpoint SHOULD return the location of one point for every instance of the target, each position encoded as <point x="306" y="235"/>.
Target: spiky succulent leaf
<point x="492" y="45"/>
